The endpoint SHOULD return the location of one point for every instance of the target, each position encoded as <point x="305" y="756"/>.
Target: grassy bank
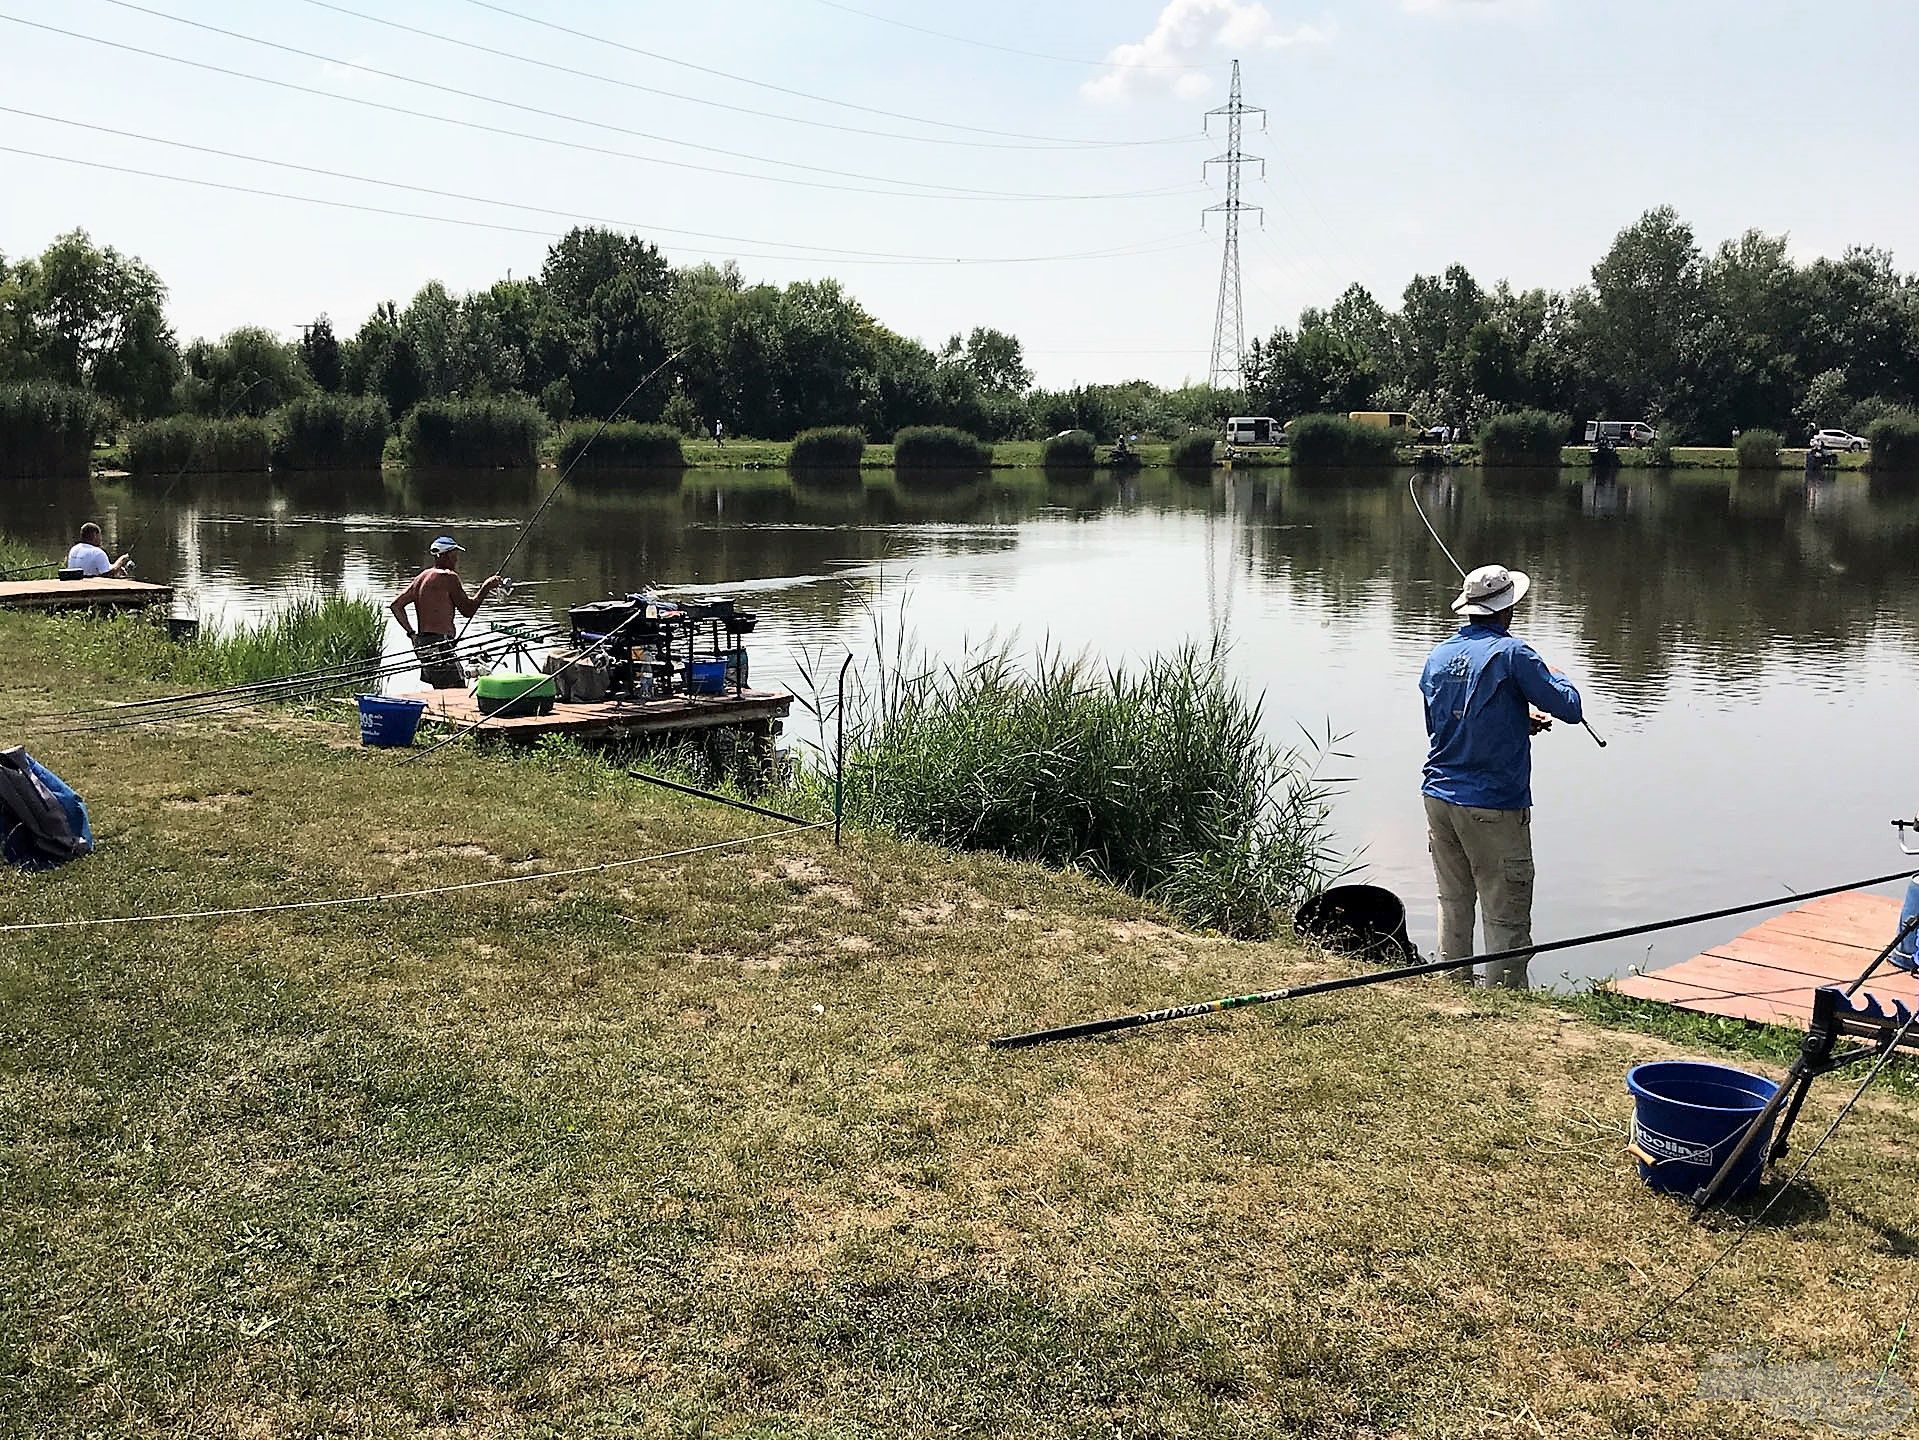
<point x="713" y="1145"/>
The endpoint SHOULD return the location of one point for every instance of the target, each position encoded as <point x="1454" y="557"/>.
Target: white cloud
<point x="1192" y="33"/>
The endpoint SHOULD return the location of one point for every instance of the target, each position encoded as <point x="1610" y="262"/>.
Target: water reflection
<point x="1747" y="643"/>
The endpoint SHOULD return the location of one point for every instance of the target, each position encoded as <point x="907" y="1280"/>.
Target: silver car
<point x="1838" y="440"/>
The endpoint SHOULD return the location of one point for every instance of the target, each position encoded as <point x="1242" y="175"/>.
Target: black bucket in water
<point x="1363" y="920"/>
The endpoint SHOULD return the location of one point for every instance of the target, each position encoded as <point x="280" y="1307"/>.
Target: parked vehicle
<point x="1435" y="435"/>
<point x="1397" y="421"/>
<point x="1616" y="433"/>
<point x="1838" y="440"/>
<point x="1254" y="430"/>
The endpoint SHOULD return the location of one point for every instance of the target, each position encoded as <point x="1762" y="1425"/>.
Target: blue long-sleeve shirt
<point x="1478" y="684"/>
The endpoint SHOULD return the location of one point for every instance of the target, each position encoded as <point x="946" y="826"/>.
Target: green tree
<point x="248" y="371"/>
<point x="320" y="353"/>
<point x="1648" y="295"/>
<point x="89" y="316"/>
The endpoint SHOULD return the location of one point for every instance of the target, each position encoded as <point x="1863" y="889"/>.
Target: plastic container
<point x="389" y="722"/>
<point x="508" y="696"/>
<point x="706" y="677"/>
<point x="1688" y="1116"/>
<point x="1902" y="956"/>
<point x="1368" y="921"/>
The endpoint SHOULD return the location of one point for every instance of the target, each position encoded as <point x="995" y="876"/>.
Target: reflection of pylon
<point x="1228" y="317"/>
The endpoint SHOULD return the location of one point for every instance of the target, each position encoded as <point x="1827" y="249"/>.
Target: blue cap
<point x="444" y="544"/>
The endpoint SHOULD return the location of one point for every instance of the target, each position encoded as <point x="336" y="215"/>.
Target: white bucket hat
<point x="1491" y="589"/>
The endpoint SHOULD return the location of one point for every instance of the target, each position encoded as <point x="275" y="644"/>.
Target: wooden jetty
<point x="760" y="712"/>
<point x="1768" y="974"/>
<point x="98" y="594"/>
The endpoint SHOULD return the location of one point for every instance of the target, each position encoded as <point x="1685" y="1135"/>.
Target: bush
<point x="498" y="432"/>
<point x="184" y="443"/>
<point x="299" y="637"/>
<point x="1159" y="780"/>
<point x="1758" y="450"/>
<point x="622" y="445"/>
<point x="1072" y="450"/>
<point x="330" y="432"/>
<point x="835" y="447"/>
<point x="1895" y="441"/>
<point x="1659" y="452"/>
<point x="1193" y="452"/>
<point x="1334" y="440"/>
<point x="936" y="447"/>
<point x="1523" y="437"/>
<point x="46" y="431"/>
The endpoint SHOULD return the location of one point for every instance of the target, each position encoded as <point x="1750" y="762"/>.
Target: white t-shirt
<point x="89" y="560"/>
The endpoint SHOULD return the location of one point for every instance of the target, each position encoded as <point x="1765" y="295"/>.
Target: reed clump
<point x="1894" y="438"/>
<point x="622" y="445"/>
<point x="1193" y="452"/>
<point x="192" y="443"/>
<point x="1758" y="450"/>
<point x="305" y="634"/>
<point x="497" y="432"/>
<point x="1072" y="450"/>
<point x="330" y="432"/>
<point x="939" y="447"/>
<point x="1333" y="441"/>
<point x="46" y="431"/>
<point x="1157" y="779"/>
<point x="1523" y="437"/>
<point x="831" y="447"/>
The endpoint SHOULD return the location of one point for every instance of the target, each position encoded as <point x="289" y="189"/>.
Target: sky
<point x="1038" y="167"/>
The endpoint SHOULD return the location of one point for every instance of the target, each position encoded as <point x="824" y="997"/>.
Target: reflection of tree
<point x="1655" y="574"/>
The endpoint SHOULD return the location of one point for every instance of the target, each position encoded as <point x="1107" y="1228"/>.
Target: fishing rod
<point x="1412" y="489"/>
<point x="1085" y="1028"/>
<point x="283" y="691"/>
<point x="573" y="465"/>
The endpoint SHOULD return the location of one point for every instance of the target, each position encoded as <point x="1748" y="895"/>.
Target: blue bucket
<point x="389" y="722"/>
<point x="1688" y="1116"/>
<point x="706" y="677"/>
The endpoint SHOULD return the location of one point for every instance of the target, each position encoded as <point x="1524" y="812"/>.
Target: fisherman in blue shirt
<point x="1485" y="691"/>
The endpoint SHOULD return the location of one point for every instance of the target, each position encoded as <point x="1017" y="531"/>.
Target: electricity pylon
<point x="1228" y="317"/>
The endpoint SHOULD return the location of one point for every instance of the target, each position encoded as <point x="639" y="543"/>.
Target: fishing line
<point x="1752" y="1223"/>
<point x="1412" y="489"/>
<point x="335" y="902"/>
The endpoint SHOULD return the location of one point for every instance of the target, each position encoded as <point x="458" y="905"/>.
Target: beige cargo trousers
<point x="1483" y="858"/>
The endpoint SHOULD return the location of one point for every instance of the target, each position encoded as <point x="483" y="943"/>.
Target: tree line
<point x="1700" y="343"/>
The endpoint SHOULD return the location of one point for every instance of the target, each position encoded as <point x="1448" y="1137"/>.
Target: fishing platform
<point x="101" y="593"/>
<point x="760" y="713"/>
<point x="1768" y="974"/>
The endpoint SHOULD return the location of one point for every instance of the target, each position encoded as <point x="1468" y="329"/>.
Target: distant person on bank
<point x="435" y="594"/>
<point x="1487" y="694"/>
<point x="91" y="561"/>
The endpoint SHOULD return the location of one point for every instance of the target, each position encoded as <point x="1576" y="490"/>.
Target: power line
<point x="820" y="252"/>
<point x="784" y="119"/>
<point x="1005" y="49"/>
<point x="933" y="188"/>
<point x="758" y="84"/>
<point x="511" y="229"/>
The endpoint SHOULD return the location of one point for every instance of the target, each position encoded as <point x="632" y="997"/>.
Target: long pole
<point x="1082" y="1029"/>
<point x="839" y="752"/>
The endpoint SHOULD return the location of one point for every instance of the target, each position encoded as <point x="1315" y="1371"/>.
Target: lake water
<point x="1748" y="647"/>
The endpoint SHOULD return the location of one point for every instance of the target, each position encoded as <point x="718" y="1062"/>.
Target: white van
<point x="1620" y="432"/>
<point x="1255" y="430"/>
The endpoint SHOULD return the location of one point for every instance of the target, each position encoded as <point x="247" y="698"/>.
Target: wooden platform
<point x="1769" y="973"/>
<point x="101" y="594"/>
<point x="758" y="710"/>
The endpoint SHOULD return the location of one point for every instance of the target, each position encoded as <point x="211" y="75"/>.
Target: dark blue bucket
<point x="706" y="677"/>
<point x="389" y="722"/>
<point x="1688" y="1116"/>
